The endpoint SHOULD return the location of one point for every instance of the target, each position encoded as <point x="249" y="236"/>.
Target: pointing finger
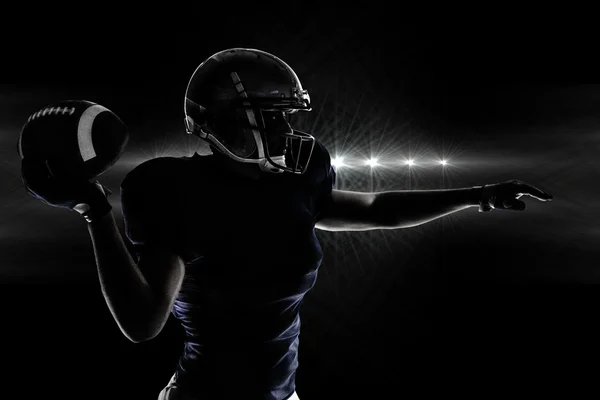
<point x="525" y="189"/>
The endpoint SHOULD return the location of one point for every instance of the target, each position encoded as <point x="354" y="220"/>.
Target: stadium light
<point x="372" y="162"/>
<point x="337" y="161"/>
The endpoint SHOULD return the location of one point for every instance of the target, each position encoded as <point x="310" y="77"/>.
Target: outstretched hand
<point x="506" y="195"/>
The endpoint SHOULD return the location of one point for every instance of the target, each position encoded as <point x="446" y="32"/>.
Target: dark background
<point x="469" y="304"/>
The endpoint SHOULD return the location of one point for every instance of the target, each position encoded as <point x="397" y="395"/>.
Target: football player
<point x="226" y="242"/>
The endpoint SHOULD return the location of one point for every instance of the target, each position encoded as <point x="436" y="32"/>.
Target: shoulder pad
<point x="156" y="170"/>
<point x="319" y="165"/>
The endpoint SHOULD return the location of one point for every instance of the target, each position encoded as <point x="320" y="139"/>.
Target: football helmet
<point x="239" y="100"/>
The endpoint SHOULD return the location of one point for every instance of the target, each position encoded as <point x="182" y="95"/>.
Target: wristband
<point x="93" y="213"/>
<point x="476" y="195"/>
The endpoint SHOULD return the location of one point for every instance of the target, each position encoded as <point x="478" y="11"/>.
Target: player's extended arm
<point x="405" y="209"/>
<point x="356" y="211"/>
<point x="140" y="303"/>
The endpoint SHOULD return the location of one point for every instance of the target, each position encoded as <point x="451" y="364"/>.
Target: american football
<point x="75" y="138"/>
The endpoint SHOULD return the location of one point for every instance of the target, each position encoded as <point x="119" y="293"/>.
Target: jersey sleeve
<point x="326" y="182"/>
<point x="145" y="207"/>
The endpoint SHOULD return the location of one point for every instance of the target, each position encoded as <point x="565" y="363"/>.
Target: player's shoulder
<point x="320" y="163"/>
<point x="158" y="171"/>
<point x="321" y="152"/>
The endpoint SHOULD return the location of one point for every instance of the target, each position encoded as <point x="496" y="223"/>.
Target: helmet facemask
<point x="286" y="149"/>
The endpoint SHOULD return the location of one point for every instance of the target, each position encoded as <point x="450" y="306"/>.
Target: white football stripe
<point x="84" y="131"/>
<point x="21" y="145"/>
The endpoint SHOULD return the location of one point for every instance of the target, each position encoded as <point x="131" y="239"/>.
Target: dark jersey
<point x="251" y="255"/>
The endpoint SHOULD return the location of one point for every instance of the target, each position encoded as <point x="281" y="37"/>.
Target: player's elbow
<point x="140" y="338"/>
<point x="139" y="330"/>
<point x="148" y="319"/>
<point x="136" y="338"/>
<point x="140" y="335"/>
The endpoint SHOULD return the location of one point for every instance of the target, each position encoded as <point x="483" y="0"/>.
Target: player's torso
<point x="249" y="228"/>
<point x="250" y="249"/>
<point x="251" y="255"/>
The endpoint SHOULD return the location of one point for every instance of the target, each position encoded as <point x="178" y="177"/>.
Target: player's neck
<point x="244" y="170"/>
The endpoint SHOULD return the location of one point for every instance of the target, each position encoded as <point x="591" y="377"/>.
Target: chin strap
<point x="266" y="166"/>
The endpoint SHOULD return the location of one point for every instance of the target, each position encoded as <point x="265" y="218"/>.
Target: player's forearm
<point x="408" y="208"/>
<point x="124" y="287"/>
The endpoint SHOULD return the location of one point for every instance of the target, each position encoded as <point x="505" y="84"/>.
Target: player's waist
<point x="228" y="346"/>
<point x="270" y="370"/>
<point x="255" y="331"/>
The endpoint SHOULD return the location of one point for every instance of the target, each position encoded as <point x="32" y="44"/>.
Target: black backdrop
<point x="473" y="305"/>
